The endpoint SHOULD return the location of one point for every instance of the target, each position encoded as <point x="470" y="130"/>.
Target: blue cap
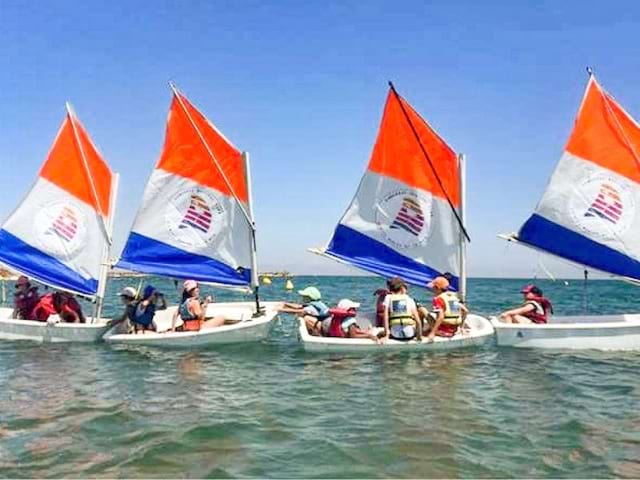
<point x="148" y="291"/>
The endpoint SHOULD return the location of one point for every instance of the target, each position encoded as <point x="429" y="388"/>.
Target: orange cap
<point x="440" y="283"/>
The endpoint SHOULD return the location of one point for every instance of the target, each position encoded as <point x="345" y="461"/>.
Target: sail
<point x="400" y="222"/>
<point x="58" y="234"/>
<point x="588" y="212"/>
<point x="192" y="222"/>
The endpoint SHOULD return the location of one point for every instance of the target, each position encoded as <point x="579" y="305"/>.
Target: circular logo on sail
<point x="602" y="207"/>
<point x="194" y="217"/>
<point x="61" y="230"/>
<point x="404" y="217"/>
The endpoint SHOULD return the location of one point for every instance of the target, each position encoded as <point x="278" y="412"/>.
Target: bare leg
<point x="506" y="318"/>
<point x="520" y="319"/>
<point x="213" y="323"/>
<point x="313" y="325"/>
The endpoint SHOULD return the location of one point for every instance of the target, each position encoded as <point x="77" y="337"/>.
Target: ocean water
<point x="270" y="410"/>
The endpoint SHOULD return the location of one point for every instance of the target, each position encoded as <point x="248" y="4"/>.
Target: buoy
<point x="266" y="281"/>
<point x="288" y="285"/>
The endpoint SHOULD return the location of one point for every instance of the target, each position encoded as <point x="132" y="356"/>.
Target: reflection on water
<point x="270" y="410"/>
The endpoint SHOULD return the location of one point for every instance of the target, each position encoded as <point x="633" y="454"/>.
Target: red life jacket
<point x="44" y="308"/>
<point x="540" y="314"/>
<point x="381" y="293"/>
<point x="339" y="315"/>
<point x="67" y="305"/>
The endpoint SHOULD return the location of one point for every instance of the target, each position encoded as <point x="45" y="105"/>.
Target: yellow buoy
<point x="288" y="285"/>
<point x="266" y="281"/>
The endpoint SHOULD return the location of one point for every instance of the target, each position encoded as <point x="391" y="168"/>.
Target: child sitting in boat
<point x="535" y="309"/>
<point x="448" y="313"/>
<point x="401" y="319"/>
<point x="152" y="300"/>
<point x="192" y="311"/>
<point x="312" y="309"/>
<point x="62" y="303"/>
<point x="343" y="324"/>
<point x="25" y="299"/>
<point x="124" y="322"/>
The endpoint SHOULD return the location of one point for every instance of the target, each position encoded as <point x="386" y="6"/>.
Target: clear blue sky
<point x="301" y="86"/>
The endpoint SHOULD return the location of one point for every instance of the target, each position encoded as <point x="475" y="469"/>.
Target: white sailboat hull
<point x="480" y="332"/>
<point x="602" y="332"/>
<point x="56" y="332"/>
<point x="247" y="329"/>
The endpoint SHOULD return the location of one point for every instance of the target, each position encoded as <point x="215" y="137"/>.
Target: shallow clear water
<point x="270" y="410"/>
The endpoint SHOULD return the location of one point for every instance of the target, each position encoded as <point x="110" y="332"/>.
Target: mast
<point x="462" y="287"/>
<point x="105" y="266"/>
<point x="255" y="283"/>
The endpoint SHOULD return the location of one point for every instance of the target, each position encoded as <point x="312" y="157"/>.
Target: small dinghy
<point x="406" y="220"/>
<point x="196" y="222"/>
<point x="241" y="326"/>
<point x="60" y="235"/>
<point x="476" y="332"/>
<point x="587" y="215"/>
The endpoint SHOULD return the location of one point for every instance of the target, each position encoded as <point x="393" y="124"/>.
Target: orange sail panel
<point x="184" y="153"/>
<point x="397" y="153"/>
<point x="65" y="168"/>
<point x="605" y="134"/>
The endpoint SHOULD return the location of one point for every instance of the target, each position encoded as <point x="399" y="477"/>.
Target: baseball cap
<point x="189" y="285"/>
<point x="438" y="282"/>
<point x="311" y="292"/>
<point x="346" y="304"/>
<point x="129" y="292"/>
<point x="531" y="289"/>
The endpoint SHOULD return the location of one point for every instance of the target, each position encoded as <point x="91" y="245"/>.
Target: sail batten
<point x="193" y="219"/>
<point x="587" y="213"/>
<point x="401" y="222"/>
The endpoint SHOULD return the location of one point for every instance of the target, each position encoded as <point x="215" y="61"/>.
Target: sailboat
<point x="60" y="234"/>
<point x="405" y="220"/>
<point x="196" y="222"/>
<point x="587" y="215"/>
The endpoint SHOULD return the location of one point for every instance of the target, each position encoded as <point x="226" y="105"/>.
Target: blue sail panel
<point x="36" y="264"/>
<point x="368" y="254"/>
<point x="145" y="255"/>
<point x="558" y="240"/>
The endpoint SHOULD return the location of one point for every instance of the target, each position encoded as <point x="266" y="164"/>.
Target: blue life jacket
<point x="145" y="318"/>
<point x="321" y="308"/>
<point x="185" y="313"/>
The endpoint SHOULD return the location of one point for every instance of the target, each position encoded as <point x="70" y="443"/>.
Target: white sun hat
<point x="346" y="304"/>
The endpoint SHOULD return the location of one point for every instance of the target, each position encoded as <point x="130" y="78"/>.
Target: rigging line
<point x="433" y="169"/>
<point x="213" y="157"/>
